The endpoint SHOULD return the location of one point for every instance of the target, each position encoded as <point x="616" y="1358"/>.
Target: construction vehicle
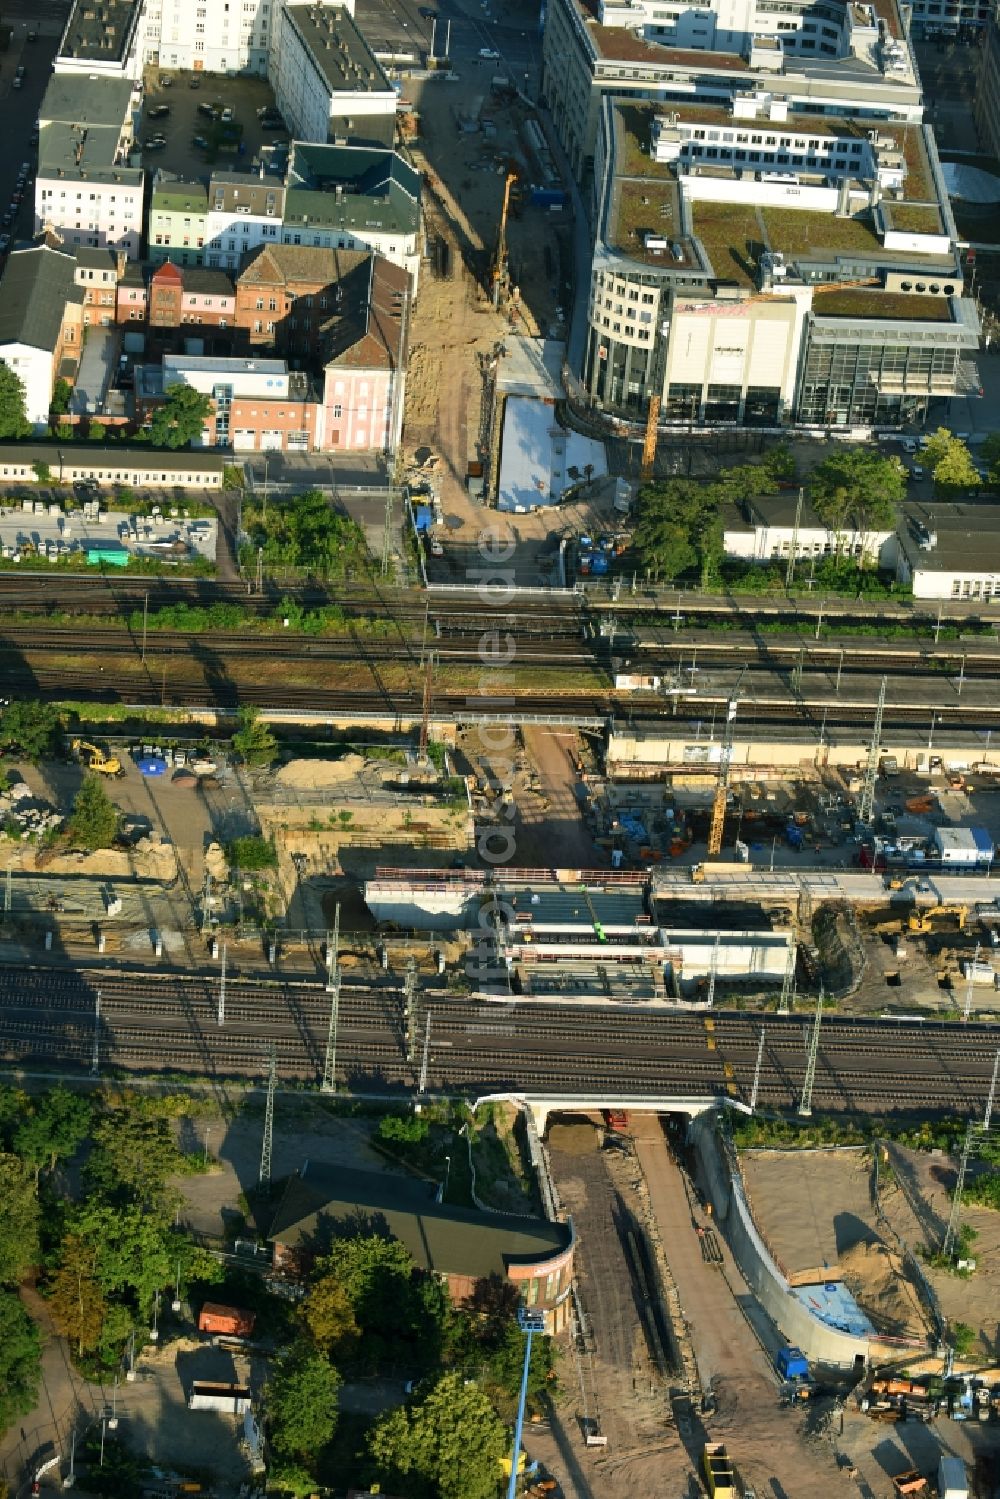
<point x="500" y="259"/>
<point x="720" y="1479"/>
<point x="926" y="921"/>
<point x="97" y="760"/>
<point x="725" y="764"/>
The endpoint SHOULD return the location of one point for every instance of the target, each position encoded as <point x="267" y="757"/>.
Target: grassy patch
<point x="796" y="232"/>
<point x="848" y="302"/>
<point x="731" y="239"/>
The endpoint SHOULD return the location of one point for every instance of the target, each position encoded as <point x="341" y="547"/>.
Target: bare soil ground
<point x="551" y="828"/>
<point x="918" y="1207"/>
<point x="781" y="1452"/>
<point x="814" y="1210"/>
<point x="618" y="1381"/>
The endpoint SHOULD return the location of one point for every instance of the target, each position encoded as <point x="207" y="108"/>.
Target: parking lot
<point x="239" y="145"/>
<point x="45" y="531"/>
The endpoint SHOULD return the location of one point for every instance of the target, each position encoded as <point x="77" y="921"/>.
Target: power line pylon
<point x="866" y="806"/>
<point x="805" y="1102"/>
<point x="265" y="1146"/>
<point x="788" y="982"/>
<point x="329" y="1083"/>
<point x="756" y="1073"/>
<point x="951" y="1232"/>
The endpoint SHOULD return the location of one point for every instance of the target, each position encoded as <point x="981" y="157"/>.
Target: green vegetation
<point x="13" y="419"/>
<point x="679" y="524"/>
<point x="253" y="742"/>
<point x="731" y="238"/>
<point x="94" y="822"/>
<point x="29" y="728"/>
<point x="793" y="1134"/>
<point x="252" y="853"/>
<point x="305" y="534"/>
<point x="180" y="420"/>
<point x="962" y="1338"/>
<point x="797" y="232"/>
<point x="950" y="462"/>
<point x="857" y="489"/>
<point x="862" y="301"/>
<point x="20" y="1360"/>
<point x="61" y="393"/>
<point x="448" y="1445"/>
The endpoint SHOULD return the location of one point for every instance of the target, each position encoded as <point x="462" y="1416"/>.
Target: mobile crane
<point x="725" y="764"/>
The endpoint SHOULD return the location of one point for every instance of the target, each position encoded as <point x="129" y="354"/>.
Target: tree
<point x="950" y="461"/>
<point x="20" y="1360"/>
<point x="13" y="418"/>
<point x="675" y="519"/>
<point x="29" y="727"/>
<point x="376" y="1275"/>
<point x="59" y="1120"/>
<point x="96" y="432"/>
<point x="61" y="393"/>
<point x="134" y="1154"/>
<point x="94" y="823"/>
<point x="65" y="431"/>
<point x="302" y="1403"/>
<point x="19" y="1220"/>
<point x="78" y="1305"/>
<point x="42" y="473"/>
<point x="857" y="488"/>
<point x="181" y="419"/>
<point x="449" y="1445"/>
<point x="962" y="1338"/>
<point x="329" y="1317"/>
<point x="990" y="454"/>
<point x="253" y="741"/>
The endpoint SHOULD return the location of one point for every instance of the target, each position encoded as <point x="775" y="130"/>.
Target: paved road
<point x="765" y="1442"/>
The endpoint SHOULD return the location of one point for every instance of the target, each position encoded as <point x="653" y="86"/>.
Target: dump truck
<point x="96" y="760"/>
<point x="720" y="1478"/>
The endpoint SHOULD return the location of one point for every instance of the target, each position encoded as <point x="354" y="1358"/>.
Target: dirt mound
<point x="315" y="775"/>
<point x="876" y="1278"/>
<point x="578" y="1138"/>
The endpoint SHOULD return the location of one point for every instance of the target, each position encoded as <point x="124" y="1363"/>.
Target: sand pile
<point x="317" y="775"/>
<point x="876" y="1278"/>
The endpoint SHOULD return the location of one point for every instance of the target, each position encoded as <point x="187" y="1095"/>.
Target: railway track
<point x="150" y="1025"/>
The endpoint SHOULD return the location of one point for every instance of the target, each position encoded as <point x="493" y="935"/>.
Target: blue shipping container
<point x="151" y="765"/>
<point x="548" y="197"/>
<point x="423" y="518"/>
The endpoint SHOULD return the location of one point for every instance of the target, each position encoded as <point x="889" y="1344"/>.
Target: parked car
<point x="206" y="109"/>
<point x="32" y="36"/>
<point x="436" y="549"/>
<point x="489" y="54"/>
<point x="228" y="115"/>
<point x="20" y="70"/>
<point x="4" y="243"/>
<point x="154" y="143"/>
<point x="17" y="82"/>
<point x="272" y="122"/>
<point x="200" y="142"/>
<point x="194" y="83"/>
<point x="158" y="111"/>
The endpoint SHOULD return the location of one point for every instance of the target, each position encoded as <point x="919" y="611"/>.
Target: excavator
<point x="97" y="760"/>
<point x="926" y="921"/>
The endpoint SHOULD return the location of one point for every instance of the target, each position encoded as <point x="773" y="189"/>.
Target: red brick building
<point x="168" y="297"/>
<point x="461" y="1245"/>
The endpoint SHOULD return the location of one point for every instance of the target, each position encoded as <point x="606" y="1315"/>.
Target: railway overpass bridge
<point x="592" y="1100"/>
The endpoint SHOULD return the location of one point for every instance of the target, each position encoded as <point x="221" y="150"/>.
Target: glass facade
<point x="855" y="381"/>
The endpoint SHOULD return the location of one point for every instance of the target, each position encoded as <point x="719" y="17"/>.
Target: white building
<point x="40" y="324"/>
<point x="86" y="191"/>
<point x="204" y="35"/>
<point x="950" y="551"/>
<point x="327" y="81"/>
<point x="244" y="211"/>
<point x="772" y="527"/>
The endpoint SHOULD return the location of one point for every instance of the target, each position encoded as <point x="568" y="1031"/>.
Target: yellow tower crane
<point x="725" y="765"/>
<point x="500" y="259"/>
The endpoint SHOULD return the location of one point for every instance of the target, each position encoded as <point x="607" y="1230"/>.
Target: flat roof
<point x="86" y="101"/>
<point x="967" y="531"/>
<point x="80" y="456"/>
<point x="100" y="29"/>
<point x="338" y="49"/>
<point x="731" y="238"/>
<point x="179" y="194"/>
<point x="195" y="363"/>
<point x="569" y="907"/>
<point x="871" y="302"/>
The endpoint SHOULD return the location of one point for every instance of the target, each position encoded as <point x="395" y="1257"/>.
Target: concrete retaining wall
<point x="818" y="1342"/>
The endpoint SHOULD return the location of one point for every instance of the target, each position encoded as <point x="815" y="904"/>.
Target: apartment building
<point x="243" y="212"/>
<point x="986" y="104"/>
<point x="344" y="314"/>
<point x="178" y="209"/>
<point x="170" y="297"/>
<point x="97" y="273"/>
<point x="354" y="198"/>
<point x="816" y="58"/>
<point x="104" y="40"/>
<point x="204" y="35"/>
<point x="759" y="266"/>
<point x="327" y="81"/>
<point x="86" y="190"/>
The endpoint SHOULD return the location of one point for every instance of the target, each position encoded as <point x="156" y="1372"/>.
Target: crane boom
<point x="725" y="765"/>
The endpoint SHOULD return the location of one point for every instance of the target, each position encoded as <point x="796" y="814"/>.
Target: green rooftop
<point x="730" y="234"/>
<point x="912" y="218"/>
<point x="177" y="196"/>
<point x="866" y="303"/>
<point x="635" y="130"/>
<point x="642" y="208"/>
<point x="806" y="232"/>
